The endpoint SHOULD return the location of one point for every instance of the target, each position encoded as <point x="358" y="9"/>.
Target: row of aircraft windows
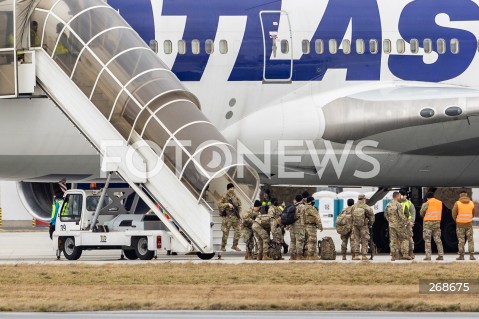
<point x="332" y="46"/>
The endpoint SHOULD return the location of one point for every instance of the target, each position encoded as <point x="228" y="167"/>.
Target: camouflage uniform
<point x="360" y="234"/>
<point x="464" y="231"/>
<point x="261" y="233"/>
<point x="297" y="233"/>
<point x="312" y="223"/>
<point x="346" y="237"/>
<point x="247" y="220"/>
<point x="431" y="229"/>
<point x="231" y="220"/>
<point x="410" y="212"/>
<point x="397" y="228"/>
<point x="276" y="230"/>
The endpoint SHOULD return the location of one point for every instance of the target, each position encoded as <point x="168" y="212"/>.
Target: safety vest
<point x="464" y="214"/>
<point x="434" y="210"/>
<point x="55" y="208"/>
<point x="406" y="208"/>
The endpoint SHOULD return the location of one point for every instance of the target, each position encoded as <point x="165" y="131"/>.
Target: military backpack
<point x="358" y="216"/>
<point x="343" y="223"/>
<point x="265" y="221"/>
<point x="288" y="216"/>
<point x="326" y="249"/>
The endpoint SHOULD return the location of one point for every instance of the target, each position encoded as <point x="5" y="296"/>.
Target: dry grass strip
<point x="288" y="286"/>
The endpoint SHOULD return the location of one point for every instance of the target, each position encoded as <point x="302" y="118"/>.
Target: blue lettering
<point x="418" y="21"/>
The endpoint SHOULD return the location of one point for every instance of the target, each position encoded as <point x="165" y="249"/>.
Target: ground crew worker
<point x="397" y="228"/>
<point x="312" y="222"/>
<point x="296" y="231"/>
<point x="410" y="212"/>
<point x="462" y="213"/>
<point x="362" y="217"/>
<point x="432" y="213"/>
<point x="247" y="220"/>
<point x="56" y="205"/>
<point x="261" y="230"/>
<point x="230" y="208"/>
<point x="276" y="229"/>
<point x="62" y="46"/>
<point x="266" y="202"/>
<point x="344" y="227"/>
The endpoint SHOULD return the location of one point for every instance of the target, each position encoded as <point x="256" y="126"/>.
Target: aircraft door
<point x="8" y="79"/>
<point x="277" y="46"/>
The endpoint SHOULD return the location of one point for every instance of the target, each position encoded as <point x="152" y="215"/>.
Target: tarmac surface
<point x="238" y="315"/>
<point x="35" y="247"/>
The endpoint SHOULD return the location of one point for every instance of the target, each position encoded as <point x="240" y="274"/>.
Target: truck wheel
<point x="130" y="254"/>
<point x="141" y="248"/>
<point x="205" y="256"/>
<point x="70" y="251"/>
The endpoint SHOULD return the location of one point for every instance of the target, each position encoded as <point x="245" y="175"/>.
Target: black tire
<point x="140" y="244"/>
<point x="70" y="251"/>
<point x="130" y="254"/>
<point x="205" y="256"/>
<point x="381" y="233"/>
<point x="448" y="232"/>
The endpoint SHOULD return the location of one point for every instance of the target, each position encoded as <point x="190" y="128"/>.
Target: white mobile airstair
<point x="147" y="127"/>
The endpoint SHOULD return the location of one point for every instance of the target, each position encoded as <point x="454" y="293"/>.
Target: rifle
<point x="235" y="208"/>
<point x="372" y="246"/>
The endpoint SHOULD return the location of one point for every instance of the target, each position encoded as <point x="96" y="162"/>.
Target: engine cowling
<point x="37" y="198"/>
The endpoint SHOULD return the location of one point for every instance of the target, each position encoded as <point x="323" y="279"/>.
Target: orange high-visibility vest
<point x="464" y="214"/>
<point x="434" y="210"/>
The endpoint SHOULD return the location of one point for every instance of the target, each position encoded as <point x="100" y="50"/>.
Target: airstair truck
<point x="94" y="219"/>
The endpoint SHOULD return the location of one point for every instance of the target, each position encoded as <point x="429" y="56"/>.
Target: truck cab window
<point x="71" y="209"/>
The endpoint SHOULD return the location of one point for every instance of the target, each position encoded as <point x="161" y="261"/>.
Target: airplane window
<point x="195" y="46"/>
<point x="154" y="45"/>
<point x="346" y="46"/>
<point x="284" y="46"/>
<point x="168" y="47"/>
<point x="306" y="46"/>
<point x="401" y="46"/>
<point x="333" y="46"/>
<point x="414" y="45"/>
<point x="373" y="46"/>
<point x="441" y="46"/>
<point x="427" y="45"/>
<point x="223" y="46"/>
<point x="454" y="46"/>
<point x="209" y="46"/>
<point x="319" y="46"/>
<point x="182" y="47"/>
<point x="360" y="47"/>
<point x="387" y="46"/>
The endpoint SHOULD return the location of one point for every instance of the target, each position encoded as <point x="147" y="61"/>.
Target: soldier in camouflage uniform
<point x="230" y="219"/>
<point x="247" y="221"/>
<point x="463" y="213"/>
<point x="360" y="229"/>
<point x="432" y="213"/>
<point x="397" y="228"/>
<point x="276" y="229"/>
<point x="312" y="222"/>
<point x="297" y="231"/>
<point x="345" y="229"/>
<point x="410" y="212"/>
<point x="261" y="229"/>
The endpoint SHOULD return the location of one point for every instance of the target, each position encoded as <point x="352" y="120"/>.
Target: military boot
<point x="427" y="258"/>
<point x="471" y="256"/>
<point x="406" y="257"/>
<point x="300" y="257"/>
<point x="247" y="256"/>
<point x="267" y="257"/>
<point x="234" y="247"/>
<point x="461" y="257"/>
<point x="440" y="257"/>
<point x="355" y="256"/>
<point x="260" y="256"/>
<point x="411" y="254"/>
<point x="344" y="255"/>
<point x="393" y="257"/>
<point x="223" y="248"/>
<point x="293" y="257"/>
<point x="364" y="257"/>
<point x="313" y="258"/>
